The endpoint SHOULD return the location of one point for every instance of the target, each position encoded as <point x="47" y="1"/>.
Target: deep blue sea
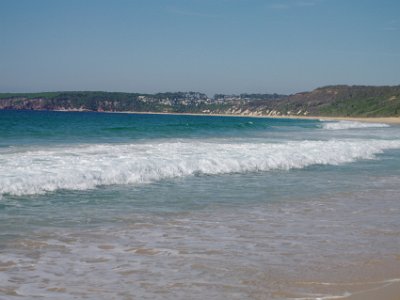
<point x="142" y="206"/>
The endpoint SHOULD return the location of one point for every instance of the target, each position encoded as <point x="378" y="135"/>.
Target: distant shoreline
<point x="336" y="100"/>
<point x="388" y="120"/>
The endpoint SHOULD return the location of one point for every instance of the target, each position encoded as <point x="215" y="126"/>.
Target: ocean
<point x="142" y="206"/>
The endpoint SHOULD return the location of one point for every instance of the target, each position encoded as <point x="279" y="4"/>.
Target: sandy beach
<point x="391" y="291"/>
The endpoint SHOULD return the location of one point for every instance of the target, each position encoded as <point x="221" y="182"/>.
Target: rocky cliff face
<point x="21" y="103"/>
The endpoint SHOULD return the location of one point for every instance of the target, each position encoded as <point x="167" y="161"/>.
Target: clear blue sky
<point x="211" y="46"/>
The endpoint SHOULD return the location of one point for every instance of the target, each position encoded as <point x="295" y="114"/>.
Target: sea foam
<point x="340" y="125"/>
<point x="88" y="166"/>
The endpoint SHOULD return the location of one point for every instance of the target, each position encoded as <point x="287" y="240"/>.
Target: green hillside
<point x="337" y="100"/>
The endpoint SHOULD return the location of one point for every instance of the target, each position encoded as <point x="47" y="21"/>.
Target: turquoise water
<point x="37" y="128"/>
<point x="126" y="206"/>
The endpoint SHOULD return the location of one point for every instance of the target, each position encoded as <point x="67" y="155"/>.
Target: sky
<point x="209" y="46"/>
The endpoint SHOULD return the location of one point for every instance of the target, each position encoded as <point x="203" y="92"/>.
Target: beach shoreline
<point x="372" y="279"/>
<point x="390" y="291"/>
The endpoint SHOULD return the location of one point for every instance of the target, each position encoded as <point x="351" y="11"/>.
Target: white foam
<point x="327" y="297"/>
<point x="88" y="166"/>
<point x="341" y="125"/>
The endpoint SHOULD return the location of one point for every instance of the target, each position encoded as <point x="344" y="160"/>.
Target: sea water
<point x="129" y="206"/>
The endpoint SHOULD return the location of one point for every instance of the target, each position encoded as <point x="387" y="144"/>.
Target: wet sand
<point x="376" y="278"/>
<point x="390" y="291"/>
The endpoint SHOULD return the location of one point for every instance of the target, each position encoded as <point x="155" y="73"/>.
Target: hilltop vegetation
<point x="342" y="100"/>
<point x="339" y="100"/>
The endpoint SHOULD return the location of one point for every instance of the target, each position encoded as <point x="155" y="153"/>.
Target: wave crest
<point x="86" y="167"/>
<point x="341" y="125"/>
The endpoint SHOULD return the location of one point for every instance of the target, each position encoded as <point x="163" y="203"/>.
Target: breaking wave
<point x="340" y="125"/>
<point x="88" y="166"/>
